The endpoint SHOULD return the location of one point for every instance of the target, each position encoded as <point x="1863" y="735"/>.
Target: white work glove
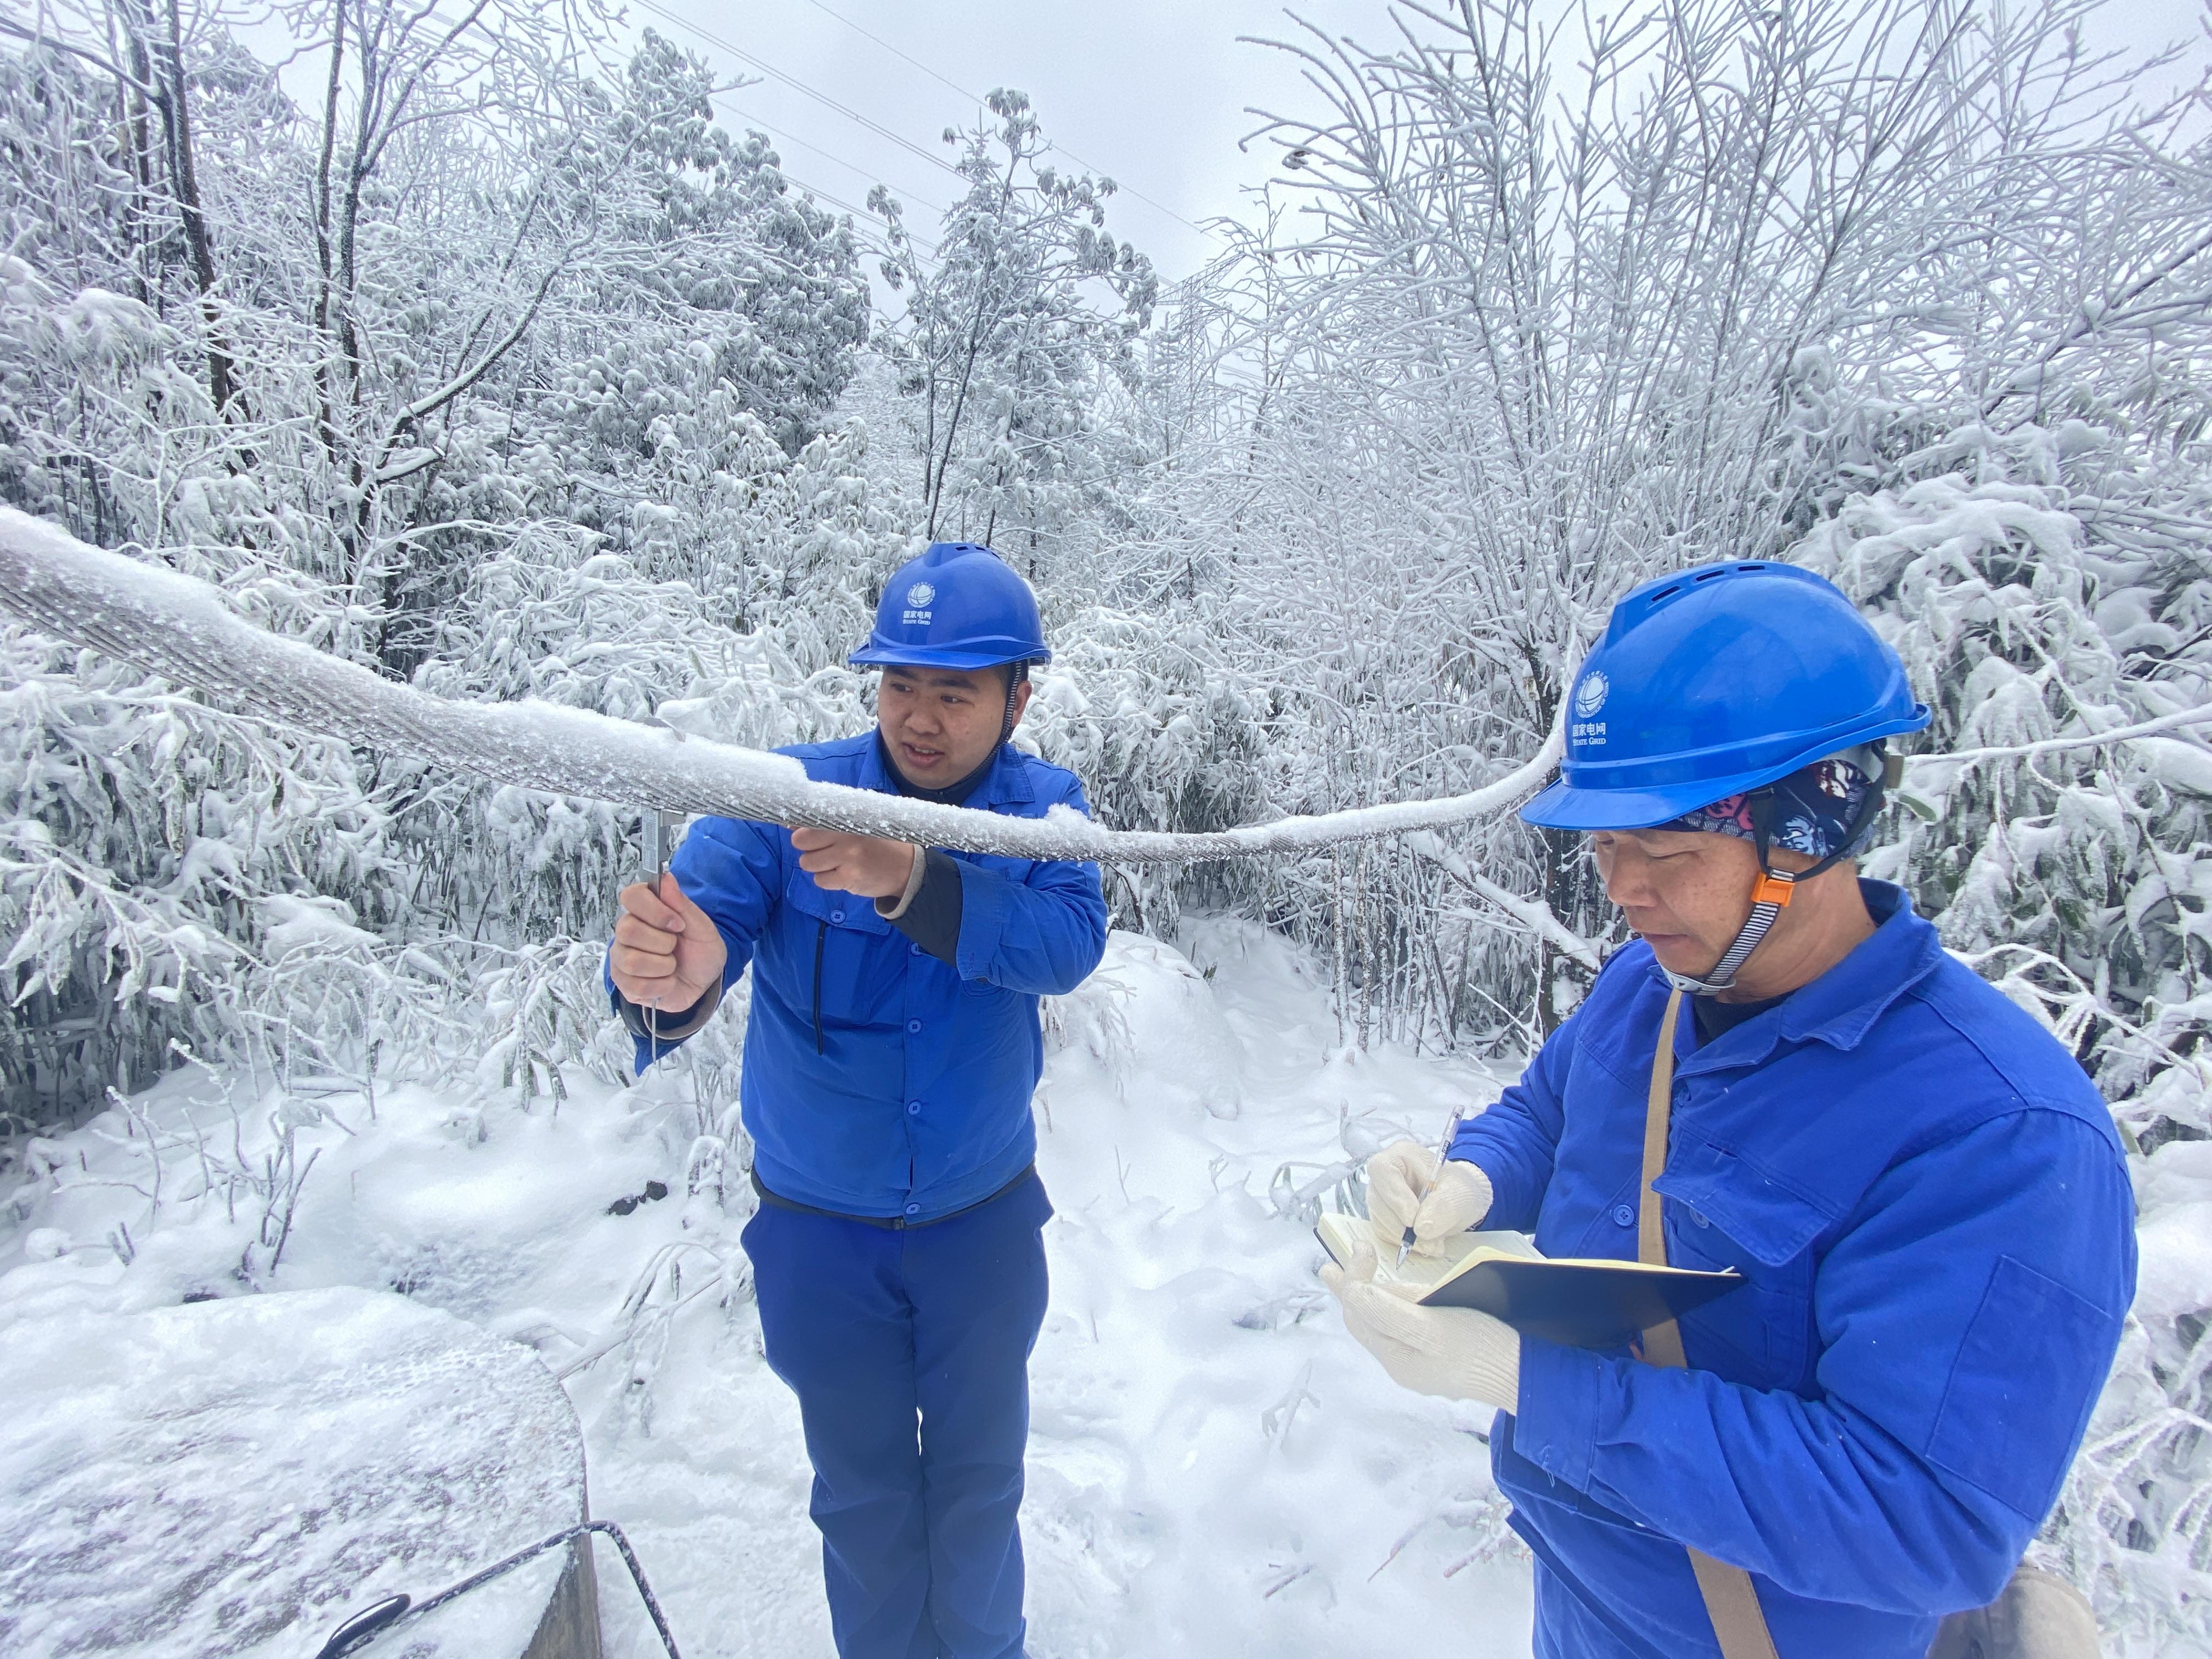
<point x="1406" y="1186"/>
<point x="1454" y="1353"/>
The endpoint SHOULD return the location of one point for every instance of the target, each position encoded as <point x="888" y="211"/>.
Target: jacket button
<point x="914" y="1209"/>
<point x="915" y="949"/>
<point x="913" y="1025"/>
<point x="1696" y="1220"/>
<point x="1623" y="1215"/>
<point x="914" y="1108"/>
<point x="837" y="915"/>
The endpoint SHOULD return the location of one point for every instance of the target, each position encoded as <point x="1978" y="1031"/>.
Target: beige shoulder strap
<point x="1731" y="1602"/>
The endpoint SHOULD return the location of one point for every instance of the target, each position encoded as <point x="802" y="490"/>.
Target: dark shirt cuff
<point x="931" y="919"/>
<point x="674" y="1028"/>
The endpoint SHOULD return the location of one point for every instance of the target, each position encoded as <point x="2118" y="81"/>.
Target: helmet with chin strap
<point x="1710" y="692"/>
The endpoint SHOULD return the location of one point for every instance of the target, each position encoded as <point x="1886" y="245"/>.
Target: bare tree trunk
<point x="326" y="424"/>
<point x="168" y="48"/>
<point x="130" y="121"/>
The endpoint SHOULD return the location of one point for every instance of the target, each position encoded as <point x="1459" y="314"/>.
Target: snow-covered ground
<point x="1215" y="1468"/>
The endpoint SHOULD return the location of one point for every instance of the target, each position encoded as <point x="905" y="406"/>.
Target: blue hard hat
<point x="1714" y="682"/>
<point x="959" y="605"/>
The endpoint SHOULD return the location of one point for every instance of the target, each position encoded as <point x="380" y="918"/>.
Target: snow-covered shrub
<point x="2046" y="588"/>
<point x="145" y="836"/>
<point x="2043" y="593"/>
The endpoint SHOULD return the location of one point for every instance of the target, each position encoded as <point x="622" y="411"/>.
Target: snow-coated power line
<point x="179" y="628"/>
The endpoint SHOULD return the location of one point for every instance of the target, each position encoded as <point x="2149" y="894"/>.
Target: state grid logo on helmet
<point x="1589" y="697"/>
<point x="960" y="606"/>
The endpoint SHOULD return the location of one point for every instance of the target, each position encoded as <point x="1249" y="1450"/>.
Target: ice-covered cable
<point x="178" y="628"/>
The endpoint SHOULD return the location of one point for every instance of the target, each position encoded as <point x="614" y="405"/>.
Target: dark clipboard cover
<point x="1581" y="1303"/>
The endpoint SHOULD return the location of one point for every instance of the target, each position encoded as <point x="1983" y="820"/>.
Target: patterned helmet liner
<point x="1814" y="807"/>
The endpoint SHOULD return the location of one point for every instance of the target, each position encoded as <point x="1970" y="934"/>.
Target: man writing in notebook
<point x="892" y="1050"/>
<point x="1924" y="1194"/>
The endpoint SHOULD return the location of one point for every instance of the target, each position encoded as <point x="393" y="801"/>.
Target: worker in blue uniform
<point x="1925" y="1194"/>
<point x="890" y="1053"/>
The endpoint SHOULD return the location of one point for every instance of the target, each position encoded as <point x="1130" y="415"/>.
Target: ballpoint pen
<point x="1444" y="1150"/>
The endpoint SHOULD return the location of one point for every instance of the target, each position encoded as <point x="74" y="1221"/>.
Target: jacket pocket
<point x="1760" y="1332"/>
<point x="850" y="970"/>
<point x="850" y="910"/>
<point x="2000" y="1426"/>
<point x="1767" y="1217"/>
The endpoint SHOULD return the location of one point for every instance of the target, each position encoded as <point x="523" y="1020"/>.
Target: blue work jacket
<point x="917" y="1102"/>
<point x="1931" y="1210"/>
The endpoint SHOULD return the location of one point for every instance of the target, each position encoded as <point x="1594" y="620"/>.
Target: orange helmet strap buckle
<point x="1772" y="888"/>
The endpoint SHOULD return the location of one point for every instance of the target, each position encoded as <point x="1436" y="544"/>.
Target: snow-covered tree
<point x="1008" y="339"/>
<point x="477" y="344"/>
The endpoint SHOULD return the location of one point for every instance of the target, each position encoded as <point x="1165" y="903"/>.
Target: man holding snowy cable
<point x="891" y="1051"/>
<point x="1787" y="1076"/>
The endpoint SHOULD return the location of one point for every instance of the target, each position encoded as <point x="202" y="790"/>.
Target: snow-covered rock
<point x="232" y="1480"/>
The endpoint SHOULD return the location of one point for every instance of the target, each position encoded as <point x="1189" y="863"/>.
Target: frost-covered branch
<point x="2182" y="720"/>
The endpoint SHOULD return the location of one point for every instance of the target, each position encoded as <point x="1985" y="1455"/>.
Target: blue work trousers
<point x="908" y="1349"/>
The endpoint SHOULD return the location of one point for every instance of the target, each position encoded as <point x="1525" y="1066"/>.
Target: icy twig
<point x="2180" y="721"/>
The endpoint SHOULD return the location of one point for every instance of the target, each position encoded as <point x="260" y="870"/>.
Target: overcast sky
<point x="1153" y="92"/>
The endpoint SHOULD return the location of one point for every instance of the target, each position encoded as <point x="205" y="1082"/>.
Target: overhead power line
<point x="973" y="97"/>
<point x="876" y="127"/>
<point x="864" y="220"/>
<point x="751" y="119"/>
<point x="791" y="137"/>
<point x="797" y="85"/>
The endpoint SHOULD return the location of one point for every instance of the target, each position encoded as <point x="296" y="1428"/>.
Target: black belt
<point x="890" y="1223"/>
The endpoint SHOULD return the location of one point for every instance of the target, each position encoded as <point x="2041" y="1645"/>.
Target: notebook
<point x="1582" y="1301"/>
